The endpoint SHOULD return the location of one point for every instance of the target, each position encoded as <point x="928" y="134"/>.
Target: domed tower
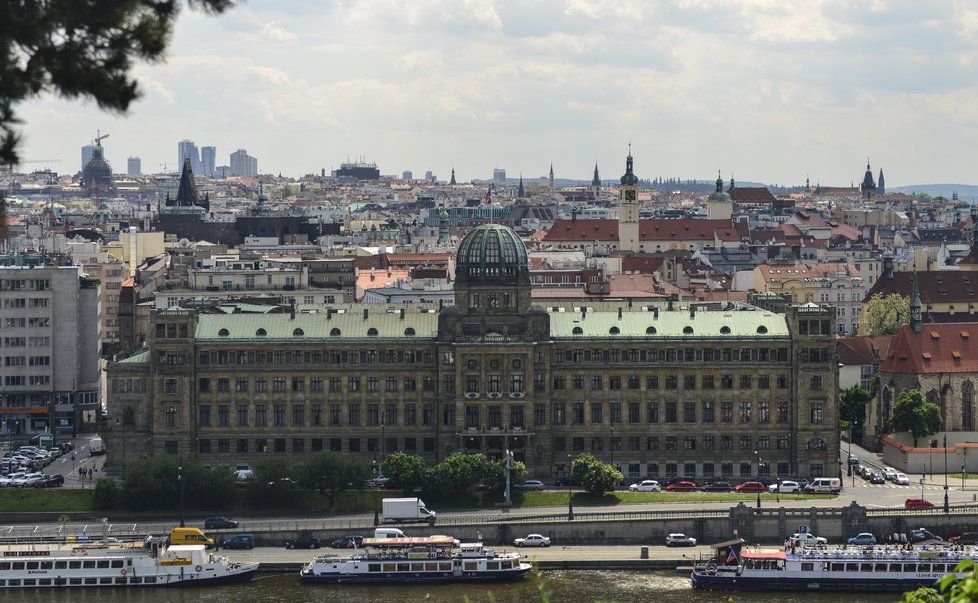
<point x="719" y="205"/>
<point x="868" y="187"/>
<point x="97" y="173"/>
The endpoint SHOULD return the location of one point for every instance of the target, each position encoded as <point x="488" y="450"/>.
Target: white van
<point x="825" y="485"/>
<point x="388" y="533"/>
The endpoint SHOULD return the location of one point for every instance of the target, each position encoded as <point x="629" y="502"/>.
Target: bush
<point x="107" y="494"/>
<point x="155" y="483"/>
<point x="407" y="471"/>
<point x="594" y="476"/>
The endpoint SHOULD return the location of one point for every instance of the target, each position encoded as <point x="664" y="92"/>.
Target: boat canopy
<point x="418" y="541"/>
<point x="763" y="555"/>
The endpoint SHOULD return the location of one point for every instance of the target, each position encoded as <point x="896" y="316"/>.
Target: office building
<point x="208" y="161"/>
<point x="187" y="148"/>
<point x="134" y="166"/>
<point x="243" y="164"/>
<point x="408" y="175"/>
<point x="87" y="152"/>
<point x="499" y="176"/>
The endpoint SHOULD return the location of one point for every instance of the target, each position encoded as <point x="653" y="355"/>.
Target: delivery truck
<point x="407" y="509"/>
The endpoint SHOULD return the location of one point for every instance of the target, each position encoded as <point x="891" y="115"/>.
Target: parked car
<point x="717" y="487"/>
<point x="853" y="459"/>
<point x="890" y="473"/>
<point x="877" y="478"/>
<point x="30" y="480"/>
<point x="219" y="523"/>
<point x="865" y="472"/>
<point x="807" y="538"/>
<point x="52" y="481"/>
<point x="922" y="535"/>
<point x="347" y="542"/>
<point x="533" y="540"/>
<point x="531" y="484"/>
<point x="682" y="486"/>
<point x="865" y="538"/>
<point x="239" y="541"/>
<point x="380" y="481"/>
<point x="243" y="475"/>
<point x="567" y="480"/>
<point x="751" y="487"/>
<point x="785" y="487"/>
<point x="305" y="541"/>
<point x="901" y="479"/>
<point x="646" y="485"/>
<point x="965" y="538"/>
<point x="917" y="503"/>
<point x="680" y="540"/>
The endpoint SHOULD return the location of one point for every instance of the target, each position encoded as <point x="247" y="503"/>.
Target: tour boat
<point x="425" y="559"/>
<point x="829" y="568"/>
<point x="102" y="564"/>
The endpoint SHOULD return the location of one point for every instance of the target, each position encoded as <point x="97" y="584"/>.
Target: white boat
<point x="427" y="559"/>
<point x="103" y="564"/>
<point x="851" y="568"/>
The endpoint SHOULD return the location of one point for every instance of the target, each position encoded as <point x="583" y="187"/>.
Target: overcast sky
<point x="767" y="89"/>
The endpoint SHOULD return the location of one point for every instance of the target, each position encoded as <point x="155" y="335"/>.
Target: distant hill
<point x="966" y="192"/>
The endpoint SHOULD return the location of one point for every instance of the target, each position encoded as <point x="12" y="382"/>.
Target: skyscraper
<point x="499" y="176"/>
<point x="187" y="148"/>
<point x="87" y="152"/>
<point x="243" y="164"/>
<point x="208" y="160"/>
<point x="134" y="166"/>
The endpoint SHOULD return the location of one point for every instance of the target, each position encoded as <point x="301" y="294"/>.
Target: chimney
<point x="692" y="311"/>
<point x="619" y="313"/>
<point x="574" y="215"/>
<point x="292" y="309"/>
<point x="655" y="313"/>
<point x="366" y="313"/>
<point x="583" y="312"/>
<point x="402" y="313"/>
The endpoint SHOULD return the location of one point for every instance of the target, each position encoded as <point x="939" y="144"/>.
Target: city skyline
<point x="806" y="90"/>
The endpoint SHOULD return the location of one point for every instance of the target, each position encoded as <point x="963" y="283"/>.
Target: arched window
<point x="223" y="333"/>
<point x="517" y="363"/>
<point x="298" y="333"/>
<point x="261" y="333"/>
<point x="650" y="331"/>
<point x="725" y="330"/>
<point x="614" y="330"/>
<point x="578" y="331"/>
<point x="761" y="330"/>
<point x="334" y="332"/>
<point x="371" y="332"/>
<point x="816" y="444"/>
<point x="687" y="330"/>
<point x="409" y="332"/>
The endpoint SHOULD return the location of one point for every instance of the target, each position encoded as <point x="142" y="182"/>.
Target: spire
<point x="808" y="187"/>
<point x="443" y="238"/>
<point x="731" y="182"/>
<point x="551" y="178"/>
<point x="521" y="192"/>
<point x="719" y="182"/>
<point x="596" y="181"/>
<point x="453" y="176"/>
<point x="629" y="179"/>
<point x="916" y="323"/>
<point x="187" y="192"/>
<point x="880" y="187"/>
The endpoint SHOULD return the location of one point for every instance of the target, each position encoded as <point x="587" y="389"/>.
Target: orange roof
<point x="950" y="347"/>
<point x="649" y="230"/>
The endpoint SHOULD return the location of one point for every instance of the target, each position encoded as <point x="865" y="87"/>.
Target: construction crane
<point x="99" y="139"/>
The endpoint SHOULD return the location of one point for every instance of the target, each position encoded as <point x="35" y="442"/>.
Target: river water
<point x="564" y="587"/>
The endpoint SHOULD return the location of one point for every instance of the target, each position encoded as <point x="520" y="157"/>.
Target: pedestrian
<point x="478" y="536"/>
<point x="89" y="473"/>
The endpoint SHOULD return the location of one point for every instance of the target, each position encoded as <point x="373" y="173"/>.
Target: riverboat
<point x="888" y="568"/>
<point x="425" y="559"/>
<point x="147" y="563"/>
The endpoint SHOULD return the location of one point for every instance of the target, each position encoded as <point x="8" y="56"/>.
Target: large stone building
<point x="659" y="389"/>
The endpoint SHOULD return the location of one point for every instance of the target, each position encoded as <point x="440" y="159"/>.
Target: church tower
<point x="628" y="234"/>
<point x="868" y="187"/>
<point x="596" y="182"/>
<point x="521" y="192"/>
<point x="880" y="186"/>
<point x="719" y="206"/>
<point x="551" y="178"/>
<point x="452" y="183"/>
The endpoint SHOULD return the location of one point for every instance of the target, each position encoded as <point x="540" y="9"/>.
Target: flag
<point x="488" y="196"/>
<point x="732" y="556"/>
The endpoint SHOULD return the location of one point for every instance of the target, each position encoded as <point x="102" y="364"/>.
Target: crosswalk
<point x="896" y="487"/>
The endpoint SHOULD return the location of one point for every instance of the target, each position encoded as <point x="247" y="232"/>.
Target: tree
<point x="852" y="409"/>
<point x="951" y="589"/>
<point x="273" y="484"/>
<point x="914" y="414"/>
<point x="458" y="473"/>
<point x="332" y="474"/>
<point x="495" y="477"/>
<point x="80" y="48"/>
<point x="152" y="483"/>
<point x="409" y="471"/>
<point x="885" y="314"/>
<point x="593" y="475"/>
<point x="107" y="494"/>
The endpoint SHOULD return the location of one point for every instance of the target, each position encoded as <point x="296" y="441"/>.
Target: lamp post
<point x="570" y="489"/>
<point x="183" y="518"/>
<point x="757" y="453"/>
<point x="120" y="420"/>
<point x="611" y="444"/>
<point x="947" y="506"/>
<point x="373" y="470"/>
<point x="849" y="458"/>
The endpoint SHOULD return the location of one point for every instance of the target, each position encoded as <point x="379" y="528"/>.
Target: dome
<point x="97" y="171"/>
<point x="492" y="253"/>
<point x="718" y="195"/>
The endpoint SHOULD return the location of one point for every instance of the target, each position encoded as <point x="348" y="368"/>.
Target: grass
<point x="553" y="499"/>
<point x="28" y="500"/>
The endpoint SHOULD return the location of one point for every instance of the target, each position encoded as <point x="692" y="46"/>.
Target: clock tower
<point x="628" y="239"/>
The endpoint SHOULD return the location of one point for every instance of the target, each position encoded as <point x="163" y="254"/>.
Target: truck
<point x="96" y="446"/>
<point x="407" y="509"/>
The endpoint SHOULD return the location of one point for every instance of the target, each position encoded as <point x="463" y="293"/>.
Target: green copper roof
<point x="378" y="324"/>
<point x="137" y="358"/>
<point x="716" y="325"/>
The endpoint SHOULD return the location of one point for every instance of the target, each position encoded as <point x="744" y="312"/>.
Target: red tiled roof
<point x="756" y="194"/>
<point x="643" y="264"/>
<point x="938" y="348"/>
<point x="863" y="349"/>
<point x="936" y="286"/>
<point x="649" y="230"/>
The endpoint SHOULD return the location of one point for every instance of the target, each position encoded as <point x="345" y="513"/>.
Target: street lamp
<point x="373" y="469"/>
<point x="947" y="506"/>
<point x="570" y="490"/>
<point x="120" y="420"/>
<point x="183" y="518"/>
<point x="757" y="453"/>
<point x="612" y="443"/>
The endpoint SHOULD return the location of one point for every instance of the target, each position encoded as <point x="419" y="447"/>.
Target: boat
<point x="828" y="568"/>
<point x="147" y="563"/>
<point x="423" y="559"/>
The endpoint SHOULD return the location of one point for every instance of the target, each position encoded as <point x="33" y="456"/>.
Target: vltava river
<point x="564" y="587"/>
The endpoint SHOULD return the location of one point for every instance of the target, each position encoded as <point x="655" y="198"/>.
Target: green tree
<point x="582" y="463"/>
<point x="495" y="477"/>
<point x="458" y="473"/>
<point x="852" y="409"/>
<point x="274" y="483"/>
<point x="154" y="483"/>
<point x="408" y="471"/>
<point x="885" y="314"/>
<point x="951" y="589"/>
<point x="107" y="494"/>
<point x="80" y="48"/>
<point x="914" y="414"/>
<point x="594" y="476"/>
<point x="332" y="474"/>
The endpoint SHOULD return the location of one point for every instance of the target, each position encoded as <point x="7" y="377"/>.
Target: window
<point x="726" y="443"/>
<point x="203" y="385"/>
<point x="223" y="415"/>
<point x="745" y="412"/>
<point x="261" y="384"/>
<point x="726" y="382"/>
<point x="763" y="382"/>
<point x="634" y="412"/>
<point x="689" y="382"/>
<point x="410" y="414"/>
<point x="597" y="382"/>
<point x="516" y="415"/>
<point x="242" y="412"/>
<point x="558" y="413"/>
<point x="672" y="382"/>
<point x="353" y="414"/>
<point x="298" y="384"/>
<point x="745" y="442"/>
<point x="709" y="443"/>
<point x="816" y="412"/>
<point x="784" y="442"/>
<point x="495" y="416"/>
<point x="373" y="384"/>
<point x="671" y="443"/>
<point x="689" y="412"/>
<point x="652" y="382"/>
<point x="614" y="383"/>
<point x="204" y="412"/>
<point x="278" y="384"/>
<point x="652" y="412"/>
<point x="764" y="411"/>
<point x="816" y="383"/>
<point x="316" y="384"/>
<point x="596" y="412"/>
<point x="279" y="414"/>
<point x="671" y="412"/>
<point x="539" y="414"/>
<point x="782" y="381"/>
<point x="242" y="445"/>
<point x="782" y="412"/>
<point x="171" y="447"/>
<point x="204" y="446"/>
<point x="651" y="443"/>
<point x="726" y="412"/>
<point x="615" y="412"/>
<point x="689" y="443"/>
<point x="471" y="416"/>
<point x="633" y="382"/>
<point x="391" y="414"/>
<point x="708" y="382"/>
<point x="745" y="382"/>
<point x="373" y="414"/>
<point x="171" y="417"/>
<point x="353" y="384"/>
<point x="298" y="415"/>
<point x="578" y="411"/>
<point x="261" y="415"/>
<point x="708" y="412"/>
<point x="597" y="443"/>
<point x="241" y="385"/>
<point x="764" y="442"/>
<point x="560" y="382"/>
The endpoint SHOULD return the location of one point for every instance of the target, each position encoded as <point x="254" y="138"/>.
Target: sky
<point x="766" y="90"/>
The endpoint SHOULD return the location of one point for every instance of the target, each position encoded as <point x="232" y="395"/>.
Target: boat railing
<point x="71" y="534"/>
<point x="853" y="553"/>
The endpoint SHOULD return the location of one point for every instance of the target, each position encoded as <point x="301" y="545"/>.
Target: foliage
<point x="154" y="483"/>
<point x="914" y="414"/>
<point x="885" y="314"/>
<point x="923" y="594"/>
<point x="852" y="409"/>
<point x="458" y="473"/>
<point x="495" y="477"/>
<point x="408" y="471"/>
<point x="951" y="588"/>
<point x="332" y="474"/>
<point x="79" y="48"/>
<point x="273" y="485"/>
<point x="108" y="495"/>
<point x="594" y="476"/>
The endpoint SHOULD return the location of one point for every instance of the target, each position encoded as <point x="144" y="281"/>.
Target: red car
<point x="966" y="538"/>
<point x="682" y="487"/>
<point x="751" y="487"/>
<point x="918" y="503"/>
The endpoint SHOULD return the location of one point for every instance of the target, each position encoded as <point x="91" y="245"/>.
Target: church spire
<point x="880" y="186"/>
<point x="187" y="191"/>
<point x="551" y="177"/>
<point x="596" y="181"/>
<point x="453" y="176"/>
<point x="521" y="192"/>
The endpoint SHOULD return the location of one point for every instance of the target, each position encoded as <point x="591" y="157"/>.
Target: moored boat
<point x="425" y="559"/>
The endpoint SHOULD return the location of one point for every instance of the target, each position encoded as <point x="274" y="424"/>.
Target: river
<point x="564" y="586"/>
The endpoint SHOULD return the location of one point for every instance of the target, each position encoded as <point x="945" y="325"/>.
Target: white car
<point x="890" y="474"/>
<point x="532" y="540"/>
<point x="785" y="487"/>
<point x="648" y="485"/>
<point x="807" y="538"/>
<point x="901" y="479"/>
<point x="32" y="480"/>
<point x="680" y="540"/>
